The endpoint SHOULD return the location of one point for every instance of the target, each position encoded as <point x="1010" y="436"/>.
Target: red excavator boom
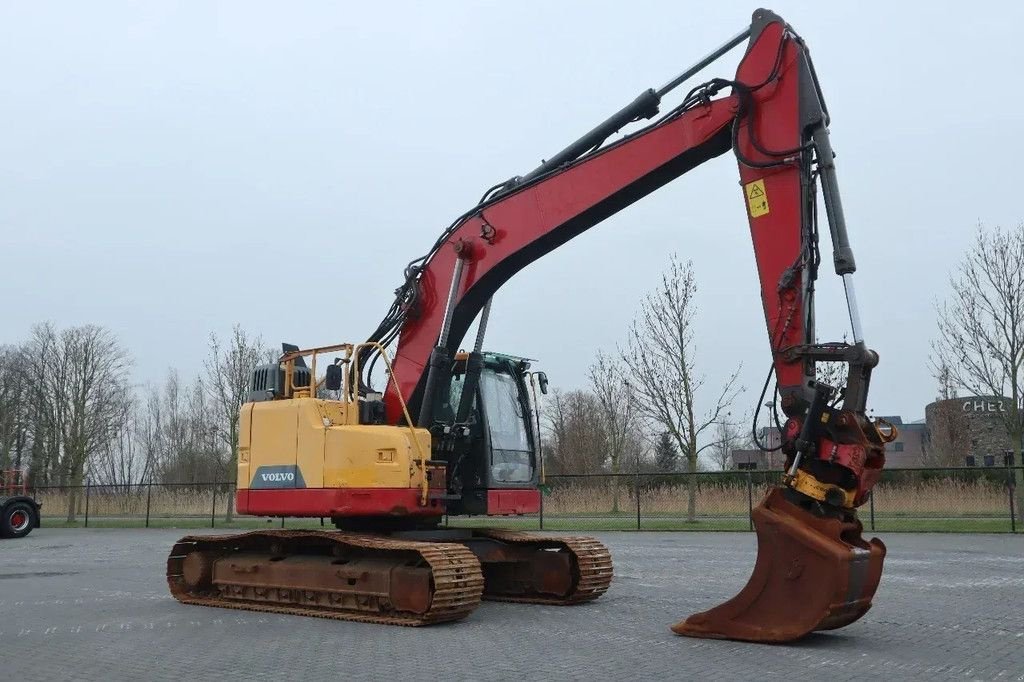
<point x="769" y="119"/>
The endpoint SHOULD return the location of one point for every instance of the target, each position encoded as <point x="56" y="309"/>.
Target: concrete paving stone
<point x="81" y="604"/>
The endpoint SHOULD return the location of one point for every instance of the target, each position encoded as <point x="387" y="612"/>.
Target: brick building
<point x="759" y="459"/>
<point x="968" y="432"/>
<point x="908" y="450"/>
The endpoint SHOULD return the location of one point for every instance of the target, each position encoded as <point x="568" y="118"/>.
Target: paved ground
<point x="92" y="605"/>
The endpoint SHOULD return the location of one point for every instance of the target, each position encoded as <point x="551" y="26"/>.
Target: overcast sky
<point x="169" y="169"/>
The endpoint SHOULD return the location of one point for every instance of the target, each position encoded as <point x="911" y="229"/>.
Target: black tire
<point x="17" y="519"/>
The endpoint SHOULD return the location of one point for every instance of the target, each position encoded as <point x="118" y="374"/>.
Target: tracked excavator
<point x="455" y="432"/>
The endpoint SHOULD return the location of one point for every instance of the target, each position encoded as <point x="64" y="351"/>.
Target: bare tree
<point x="949" y="435"/>
<point x="45" y="445"/>
<point x="120" y="465"/>
<point x="186" y="437"/>
<point x="576" y="433"/>
<point x="115" y="466"/>
<point x="228" y="368"/>
<point x="662" y="361"/>
<point x="148" y="431"/>
<point x="174" y="436"/>
<point x="82" y="375"/>
<point x="15" y="413"/>
<point x="729" y="435"/>
<point x="981" y="328"/>
<point x="616" y="410"/>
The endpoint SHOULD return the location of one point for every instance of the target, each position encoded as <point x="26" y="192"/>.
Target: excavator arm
<point x="775" y="121"/>
<point x="814" y="570"/>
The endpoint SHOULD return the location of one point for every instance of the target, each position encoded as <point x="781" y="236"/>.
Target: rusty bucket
<point x="812" y="573"/>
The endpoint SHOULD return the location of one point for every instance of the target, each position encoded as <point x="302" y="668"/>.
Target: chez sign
<point x="983" y="406"/>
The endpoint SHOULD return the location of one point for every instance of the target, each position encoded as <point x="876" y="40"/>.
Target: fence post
<point x="636" y="488"/>
<point x="149" y="499"/>
<point x="88" y="489"/>
<point x="1010" y="490"/>
<point x="871" y="502"/>
<point x="750" y="499"/>
<point x="213" y="508"/>
<point x="638" y="499"/>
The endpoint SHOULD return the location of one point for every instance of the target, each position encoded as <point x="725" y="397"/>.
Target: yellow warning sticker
<point x="757" y="198"/>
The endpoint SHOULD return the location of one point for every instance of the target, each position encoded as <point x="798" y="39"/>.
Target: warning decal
<point x="757" y="198"/>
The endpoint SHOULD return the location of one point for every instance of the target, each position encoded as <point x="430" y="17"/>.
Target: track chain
<point x="457" y="577"/>
<point x="592" y="559"/>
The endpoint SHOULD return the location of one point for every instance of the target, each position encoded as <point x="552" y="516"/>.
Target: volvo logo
<point x="278" y="476"/>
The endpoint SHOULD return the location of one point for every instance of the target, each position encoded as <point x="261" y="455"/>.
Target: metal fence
<point x="935" y="500"/>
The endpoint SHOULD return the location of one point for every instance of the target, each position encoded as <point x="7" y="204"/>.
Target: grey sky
<point x="172" y="168"/>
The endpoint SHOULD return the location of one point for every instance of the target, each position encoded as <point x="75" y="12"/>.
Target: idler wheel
<point x="197" y="571"/>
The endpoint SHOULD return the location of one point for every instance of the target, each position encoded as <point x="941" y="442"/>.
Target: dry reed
<point x="935" y="497"/>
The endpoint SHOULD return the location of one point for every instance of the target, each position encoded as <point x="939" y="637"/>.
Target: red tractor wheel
<point x="18" y="520"/>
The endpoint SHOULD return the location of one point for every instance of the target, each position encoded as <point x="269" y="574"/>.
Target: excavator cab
<point x="485" y="432"/>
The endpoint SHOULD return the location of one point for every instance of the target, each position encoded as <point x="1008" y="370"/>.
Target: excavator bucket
<point x="811" y="573"/>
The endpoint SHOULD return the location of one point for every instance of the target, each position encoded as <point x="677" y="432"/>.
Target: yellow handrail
<point x="289" y="358"/>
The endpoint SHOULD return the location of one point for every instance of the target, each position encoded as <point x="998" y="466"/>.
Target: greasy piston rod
<point x="644" y="106"/>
